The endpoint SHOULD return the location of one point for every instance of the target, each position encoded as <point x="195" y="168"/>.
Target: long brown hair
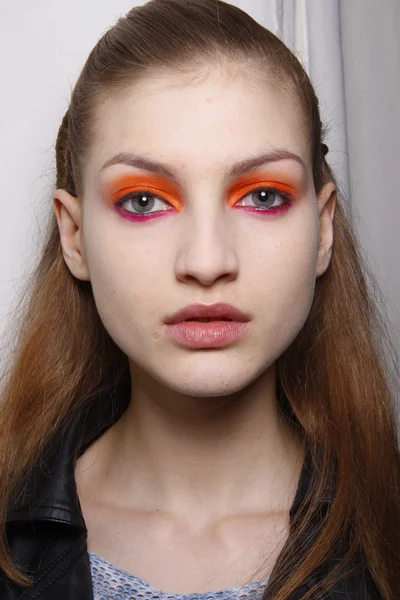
<point x="336" y="375"/>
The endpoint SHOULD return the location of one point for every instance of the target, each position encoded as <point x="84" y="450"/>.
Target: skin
<point x="200" y="463"/>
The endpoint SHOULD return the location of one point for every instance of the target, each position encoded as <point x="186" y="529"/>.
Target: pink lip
<point x="212" y="334"/>
<point x="215" y="311"/>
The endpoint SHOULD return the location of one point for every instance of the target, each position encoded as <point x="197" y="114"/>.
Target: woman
<point x="199" y="400"/>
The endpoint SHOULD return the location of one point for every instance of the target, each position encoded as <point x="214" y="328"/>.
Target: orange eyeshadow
<point x="168" y="190"/>
<point x="247" y="183"/>
<point x="160" y="186"/>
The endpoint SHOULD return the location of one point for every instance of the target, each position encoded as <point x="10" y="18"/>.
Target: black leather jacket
<point x="47" y="534"/>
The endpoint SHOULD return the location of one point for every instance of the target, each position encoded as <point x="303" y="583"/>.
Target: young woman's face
<point x="206" y="235"/>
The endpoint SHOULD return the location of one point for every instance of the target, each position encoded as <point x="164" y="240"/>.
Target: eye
<point x="266" y="198"/>
<point x="142" y="203"/>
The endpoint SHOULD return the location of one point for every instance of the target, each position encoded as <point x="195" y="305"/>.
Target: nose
<point x="207" y="252"/>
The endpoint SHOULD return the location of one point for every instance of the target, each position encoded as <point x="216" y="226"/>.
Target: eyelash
<point x="288" y="199"/>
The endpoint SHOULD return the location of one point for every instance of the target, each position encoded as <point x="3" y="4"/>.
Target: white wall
<point x="43" y="45"/>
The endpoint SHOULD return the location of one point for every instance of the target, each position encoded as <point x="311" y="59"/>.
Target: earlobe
<point x="67" y="209"/>
<point x="326" y="210"/>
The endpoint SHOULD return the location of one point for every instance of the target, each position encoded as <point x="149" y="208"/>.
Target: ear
<point x="68" y="213"/>
<point x="326" y="200"/>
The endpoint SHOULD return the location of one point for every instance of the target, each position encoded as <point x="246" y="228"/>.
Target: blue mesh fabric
<point x="111" y="583"/>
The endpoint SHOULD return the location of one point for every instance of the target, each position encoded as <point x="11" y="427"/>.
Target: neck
<point x="175" y="452"/>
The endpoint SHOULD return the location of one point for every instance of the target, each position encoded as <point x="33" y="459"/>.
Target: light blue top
<point x="111" y="583"/>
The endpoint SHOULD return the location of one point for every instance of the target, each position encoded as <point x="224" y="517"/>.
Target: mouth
<point x="207" y="325"/>
<point x="205" y="313"/>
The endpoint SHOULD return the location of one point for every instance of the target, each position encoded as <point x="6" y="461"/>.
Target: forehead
<point x="204" y="125"/>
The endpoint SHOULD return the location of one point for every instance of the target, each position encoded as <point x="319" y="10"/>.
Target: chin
<point x="212" y="382"/>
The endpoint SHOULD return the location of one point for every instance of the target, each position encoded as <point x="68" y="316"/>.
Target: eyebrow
<point x="238" y="169"/>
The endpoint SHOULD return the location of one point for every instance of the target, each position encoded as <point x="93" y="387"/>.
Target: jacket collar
<point x="49" y="490"/>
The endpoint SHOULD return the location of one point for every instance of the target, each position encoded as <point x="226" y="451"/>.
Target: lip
<point x="218" y="310"/>
<point x="210" y="334"/>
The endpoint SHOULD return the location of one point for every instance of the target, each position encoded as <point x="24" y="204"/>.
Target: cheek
<point x="280" y="275"/>
<point x="122" y="279"/>
<point x="286" y="254"/>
